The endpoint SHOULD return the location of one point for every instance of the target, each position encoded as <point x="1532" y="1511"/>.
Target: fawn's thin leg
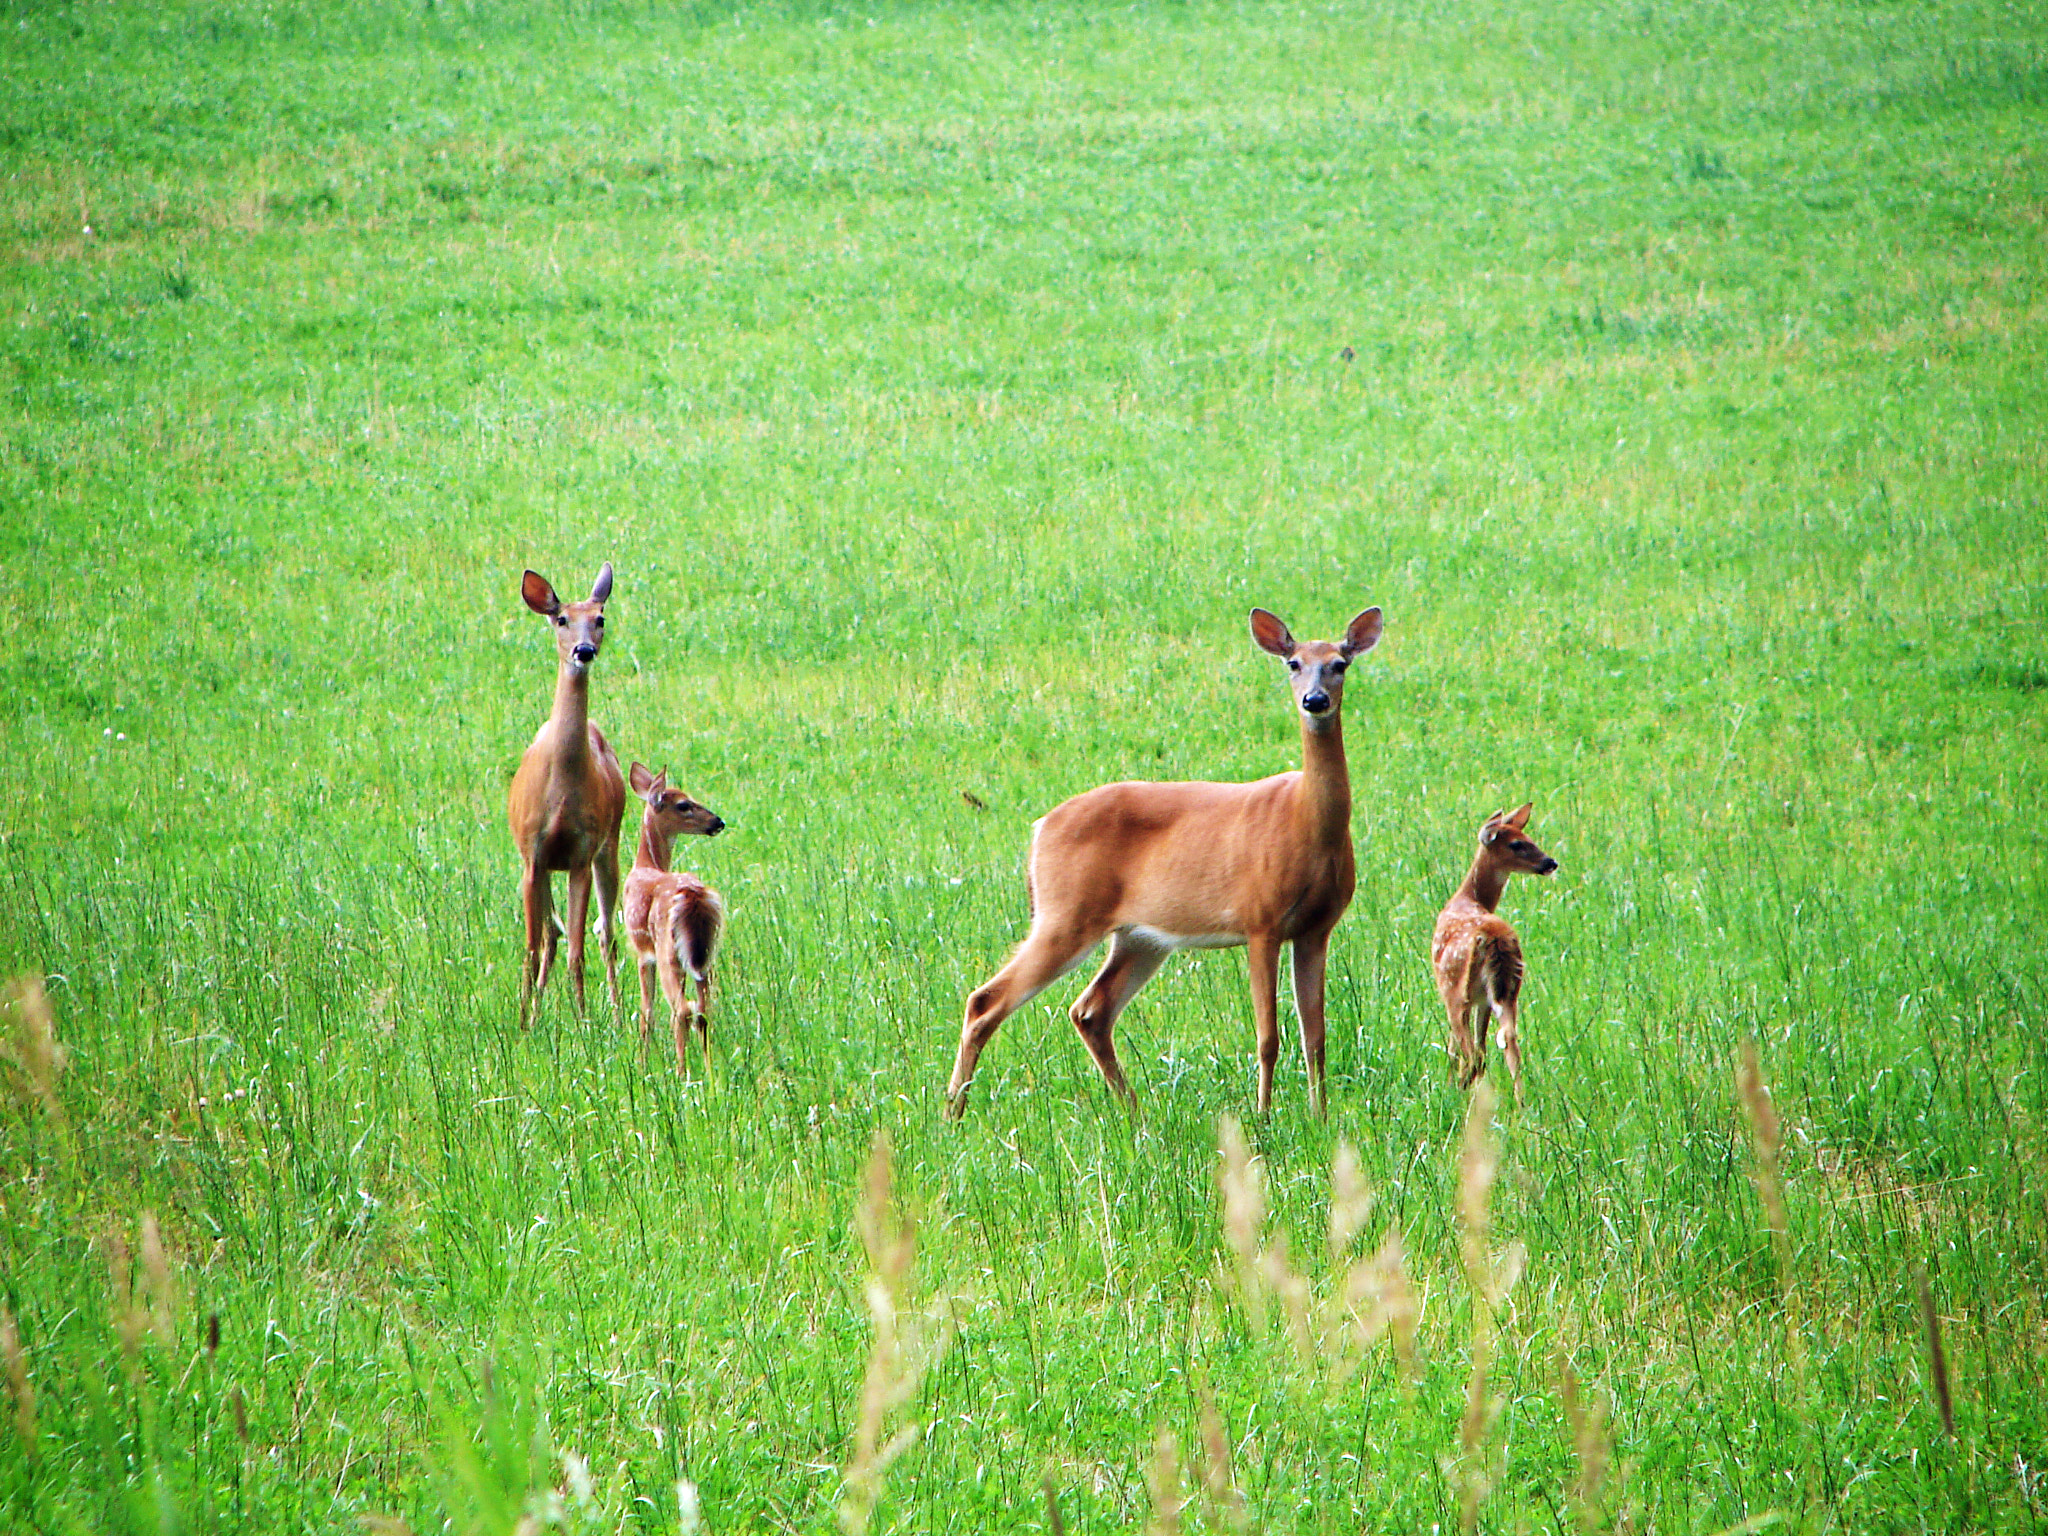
<point x="678" y="1006"/>
<point x="704" y="1018"/>
<point x="646" y="1002"/>
<point x="1511" y="1042"/>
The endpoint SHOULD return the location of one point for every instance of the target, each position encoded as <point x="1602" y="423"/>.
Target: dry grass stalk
<point x="1767" y="1136"/>
<point x="1244" y="1215"/>
<point x="1055" y="1523"/>
<point x="1367" y="1297"/>
<point x="1351" y="1201"/>
<point x="1297" y="1301"/>
<point x="1379" y="1299"/>
<point x="1937" y="1357"/>
<point x="1491" y="1280"/>
<point x="15" y="1360"/>
<point x="31" y="1044"/>
<point x="1162" y="1482"/>
<point x="157" y="1285"/>
<point x="1587" y="1416"/>
<point x="1227" y="1508"/>
<point x="130" y="1320"/>
<point x="905" y="1345"/>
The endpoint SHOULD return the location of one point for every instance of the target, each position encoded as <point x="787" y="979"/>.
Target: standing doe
<point x="1161" y="867"/>
<point x="672" y="920"/>
<point x="567" y="801"/>
<point x="1477" y="956"/>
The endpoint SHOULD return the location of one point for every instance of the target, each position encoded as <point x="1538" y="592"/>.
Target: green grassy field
<point x="946" y="382"/>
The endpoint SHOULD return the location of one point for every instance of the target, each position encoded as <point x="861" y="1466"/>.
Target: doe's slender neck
<point x="570" y="714"/>
<point x="1325" y="777"/>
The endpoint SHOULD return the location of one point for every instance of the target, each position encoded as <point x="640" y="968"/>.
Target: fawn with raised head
<point x="567" y="801"/>
<point x="1160" y="867"/>
<point x="672" y="919"/>
<point x="1477" y="955"/>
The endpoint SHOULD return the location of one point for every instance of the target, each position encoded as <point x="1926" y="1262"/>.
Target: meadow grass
<point x="946" y="382"/>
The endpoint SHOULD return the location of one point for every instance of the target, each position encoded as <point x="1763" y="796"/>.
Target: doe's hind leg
<point x="1130" y="964"/>
<point x="1040" y="961"/>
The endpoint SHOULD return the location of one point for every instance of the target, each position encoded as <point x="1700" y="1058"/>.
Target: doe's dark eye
<point x="1339" y="666"/>
<point x="560" y="622"/>
<point x="600" y="621"/>
<point x="1293" y="665"/>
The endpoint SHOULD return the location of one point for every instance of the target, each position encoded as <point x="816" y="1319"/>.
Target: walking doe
<point x="1160" y="867"/>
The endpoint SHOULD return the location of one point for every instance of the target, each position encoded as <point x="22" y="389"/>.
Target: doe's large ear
<point x="602" y="587"/>
<point x="1363" y="634"/>
<point x="1514" y="821"/>
<point x="641" y="780"/>
<point x="540" y="597"/>
<point x="1270" y="634"/>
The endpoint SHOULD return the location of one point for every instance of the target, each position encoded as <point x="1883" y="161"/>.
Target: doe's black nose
<point x="1315" y="703"/>
<point x="1547" y="867"/>
<point x="717" y="826"/>
<point x="585" y="652"/>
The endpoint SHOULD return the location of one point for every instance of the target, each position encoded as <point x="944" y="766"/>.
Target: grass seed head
<point x="1937" y="1357"/>
<point x="1767" y="1137"/>
<point x="1243" y="1183"/>
<point x="14" y="1359"/>
<point x="31" y="1043"/>
<point x="905" y="1342"/>
<point x="1227" y="1507"/>
<point x="1591" y="1446"/>
<point x="156" y="1282"/>
<point x="1351" y="1201"/>
<point x="1162" y="1483"/>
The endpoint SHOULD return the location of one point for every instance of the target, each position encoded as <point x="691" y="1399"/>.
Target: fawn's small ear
<point x="1490" y="833"/>
<point x="1363" y="634"/>
<point x="641" y="780"/>
<point x="602" y="587"/>
<point x="540" y="597"/>
<point x="1514" y="821"/>
<point x="1270" y="634"/>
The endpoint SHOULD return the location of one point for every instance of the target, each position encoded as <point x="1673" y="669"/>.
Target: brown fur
<point x="1477" y="955"/>
<point x="673" y="920"/>
<point x="566" y="803"/>
<point x="1155" y="867"/>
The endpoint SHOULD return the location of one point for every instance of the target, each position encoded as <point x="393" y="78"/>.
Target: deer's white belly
<point x="1159" y="938"/>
